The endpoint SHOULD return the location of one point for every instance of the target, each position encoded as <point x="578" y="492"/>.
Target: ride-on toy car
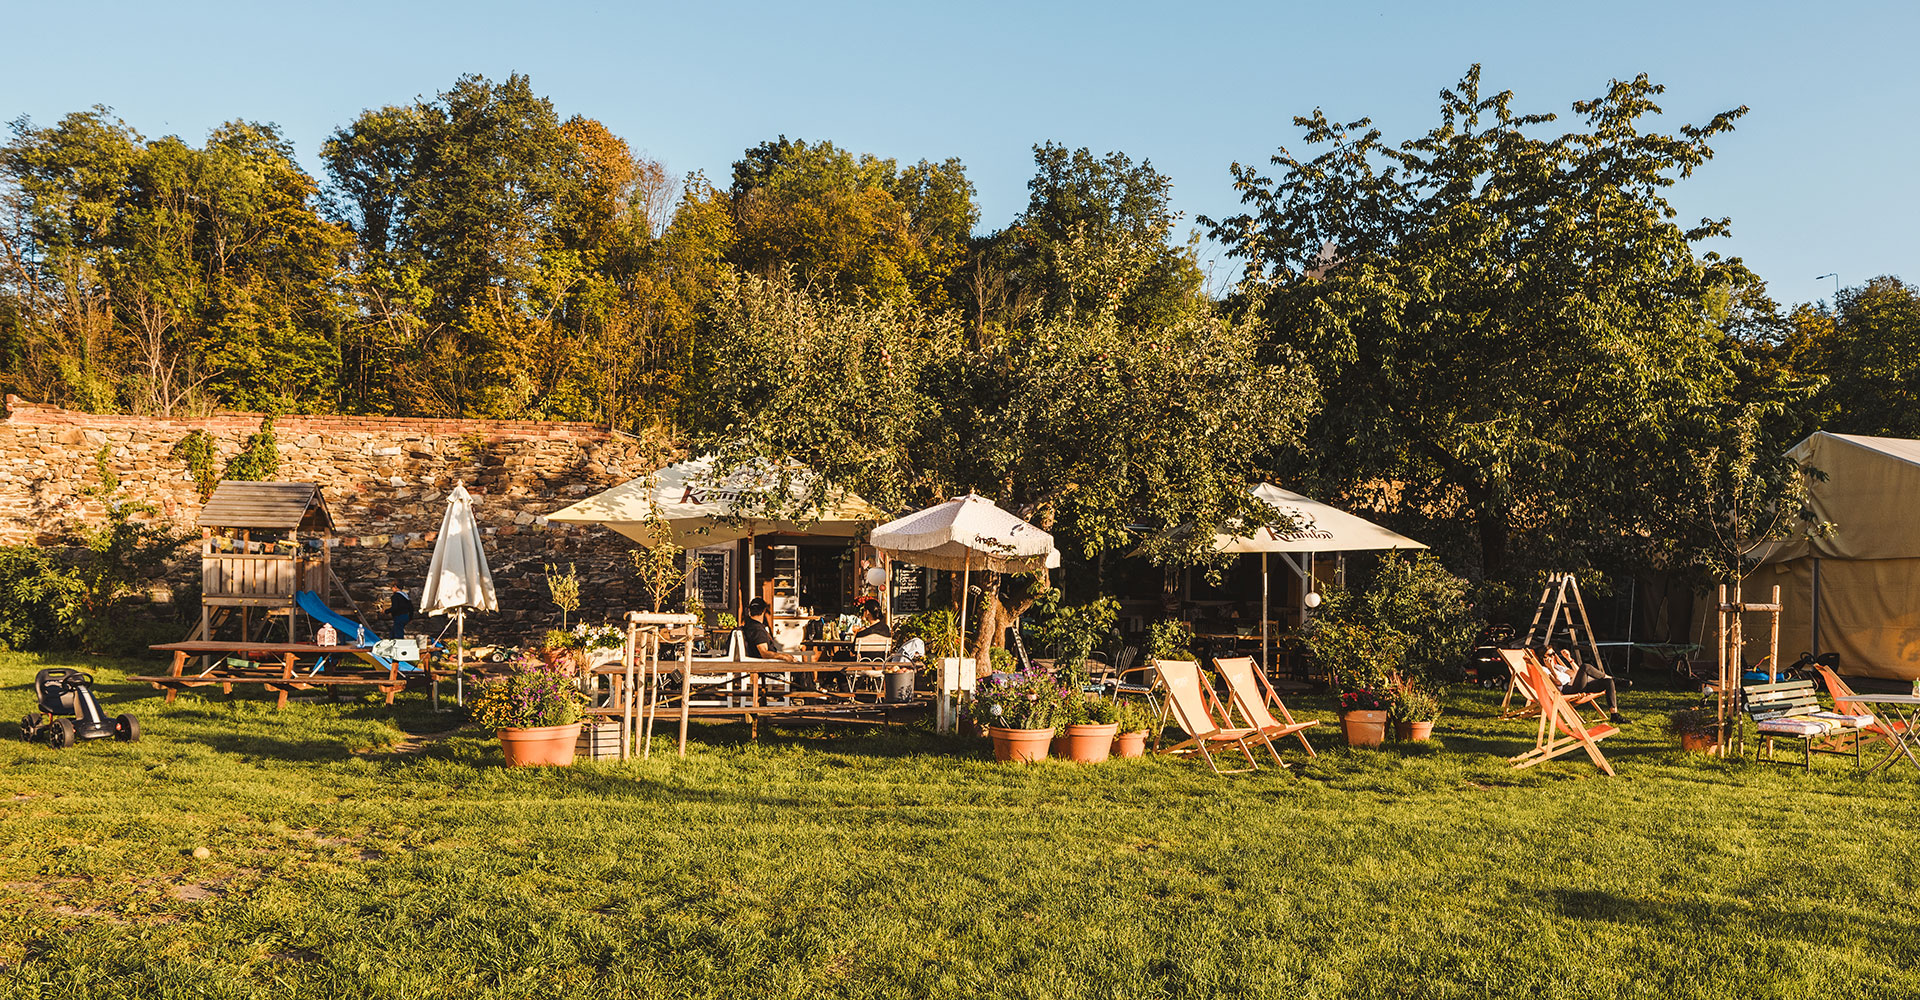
<point x="61" y="691"/>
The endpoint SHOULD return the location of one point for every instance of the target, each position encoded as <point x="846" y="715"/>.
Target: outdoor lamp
<point x="1313" y="599"/>
<point x="876" y="576"/>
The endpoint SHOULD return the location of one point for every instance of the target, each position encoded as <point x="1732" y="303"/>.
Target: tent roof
<point x="703" y="509"/>
<point x="262" y="505"/>
<point x="1867" y="486"/>
<point x="1322" y="528"/>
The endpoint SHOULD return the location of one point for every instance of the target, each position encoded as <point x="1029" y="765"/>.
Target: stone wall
<point x="384" y="479"/>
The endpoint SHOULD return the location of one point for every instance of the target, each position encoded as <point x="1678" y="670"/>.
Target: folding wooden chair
<point x="1561" y="728"/>
<point x="1251" y="695"/>
<point x="1197" y="712"/>
<point x="1520" y="666"/>
<point x="1883" y="728"/>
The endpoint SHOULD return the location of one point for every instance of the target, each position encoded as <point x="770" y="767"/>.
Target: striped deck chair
<point x="1561" y="728"/>
<point x="1520" y="664"/>
<point x="1197" y="712"/>
<point x="1251" y="695"/>
<point x="1882" y="728"/>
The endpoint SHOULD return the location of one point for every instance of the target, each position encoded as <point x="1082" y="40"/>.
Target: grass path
<point x="901" y="864"/>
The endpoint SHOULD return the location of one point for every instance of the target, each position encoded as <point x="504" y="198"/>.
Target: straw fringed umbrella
<point x="458" y="578"/>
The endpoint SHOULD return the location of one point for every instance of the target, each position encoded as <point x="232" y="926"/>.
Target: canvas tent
<point x="1855" y="590"/>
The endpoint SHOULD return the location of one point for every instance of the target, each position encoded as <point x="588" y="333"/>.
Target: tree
<point x="1867" y="348"/>
<point x="1507" y="324"/>
<point x="851" y="224"/>
<point x="1083" y="424"/>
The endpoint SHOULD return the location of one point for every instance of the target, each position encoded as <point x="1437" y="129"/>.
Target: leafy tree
<point x="1507" y="324"/>
<point x="851" y="223"/>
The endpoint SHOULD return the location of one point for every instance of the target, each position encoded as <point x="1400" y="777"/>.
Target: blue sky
<point x="1816" y="179"/>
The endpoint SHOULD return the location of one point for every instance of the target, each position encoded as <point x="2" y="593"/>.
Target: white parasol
<point x="458" y="578"/>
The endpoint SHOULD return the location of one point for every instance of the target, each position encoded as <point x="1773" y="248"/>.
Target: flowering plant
<point x="532" y="696"/>
<point x="592" y="637"/>
<point x="1361" y="701"/>
<point x="1019" y="701"/>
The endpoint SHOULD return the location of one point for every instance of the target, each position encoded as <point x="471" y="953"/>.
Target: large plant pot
<point x="1365" y="727"/>
<point x="1090" y="743"/>
<point x="1133" y="744"/>
<point x="541" y="746"/>
<point x="1019" y="746"/>
<point x="899" y="685"/>
<point x="1413" y="732"/>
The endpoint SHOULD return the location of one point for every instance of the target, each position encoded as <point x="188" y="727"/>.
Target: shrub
<point x="1133" y="716"/>
<point x="1070" y="633"/>
<point x="1171" y="639"/>
<point x="1018" y="701"/>
<point x="936" y="629"/>
<point x="40" y="601"/>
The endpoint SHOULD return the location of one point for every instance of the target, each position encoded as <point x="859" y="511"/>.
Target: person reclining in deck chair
<point x="757" y="631"/>
<point x="1575" y="677"/>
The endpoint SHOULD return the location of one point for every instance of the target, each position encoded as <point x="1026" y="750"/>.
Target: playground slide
<point x="316" y="609"/>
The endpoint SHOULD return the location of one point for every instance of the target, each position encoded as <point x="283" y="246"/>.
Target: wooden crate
<point x="599" y="741"/>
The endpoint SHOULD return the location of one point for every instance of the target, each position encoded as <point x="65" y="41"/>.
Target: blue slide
<point x="316" y="609"/>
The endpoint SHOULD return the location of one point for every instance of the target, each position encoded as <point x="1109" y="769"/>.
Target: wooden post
<point x="626" y="693"/>
<point x="1773" y="642"/>
<point x="1736" y="663"/>
<point x="1719" y="661"/>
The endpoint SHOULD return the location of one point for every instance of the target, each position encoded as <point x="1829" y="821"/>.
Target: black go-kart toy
<point x="60" y="691"/>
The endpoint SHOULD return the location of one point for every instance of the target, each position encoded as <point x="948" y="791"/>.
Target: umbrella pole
<point x="460" y="657"/>
<point x="1266" y="664"/>
<point x="947" y="699"/>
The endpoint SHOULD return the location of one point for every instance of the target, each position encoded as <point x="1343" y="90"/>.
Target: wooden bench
<point x="1790" y="710"/>
<point x="275" y="666"/>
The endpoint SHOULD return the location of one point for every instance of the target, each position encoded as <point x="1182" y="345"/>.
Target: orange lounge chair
<point x="1884" y="728"/>
<point x="1194" y="708"/>
<point x="1561" y="728"/>
<point x="1251" y="694"/>
<point x="1520" y="664"/>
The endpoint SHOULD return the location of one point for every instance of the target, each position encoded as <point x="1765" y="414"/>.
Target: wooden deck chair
<point x="1251" y="695"/>
<point x="1520" y="664"/>
<point x="1198" y="713"/>
<point x="1885" y="729"/>
<point x="1561" y="728"/>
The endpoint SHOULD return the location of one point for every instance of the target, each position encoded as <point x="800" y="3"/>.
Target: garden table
<point x="1904" y="708"/>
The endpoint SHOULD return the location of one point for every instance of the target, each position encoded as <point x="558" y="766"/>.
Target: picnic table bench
<point x="276" y="667"/>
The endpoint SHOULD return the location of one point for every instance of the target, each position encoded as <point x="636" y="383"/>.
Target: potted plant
<point x="722" y="632"/>
<point x="1695" y="728"/>
<point x="1363" y="658"/>
<point x="1089" y="738"/>
<point x="599" y="643"/>
<point x="1131" y="722"/>
<point x="1363" y="718"/>
<point x="535" y="711"/>
<point x="1019" y="712"/>
<point x="1413" y="711"/>
<point x="561" y="650"/>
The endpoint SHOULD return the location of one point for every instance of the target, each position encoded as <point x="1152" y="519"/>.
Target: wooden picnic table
<point x="279" y="668"/>
<point x="803" y="705"/>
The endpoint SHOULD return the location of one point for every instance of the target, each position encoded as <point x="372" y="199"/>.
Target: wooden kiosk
<point x="260" y="544"/>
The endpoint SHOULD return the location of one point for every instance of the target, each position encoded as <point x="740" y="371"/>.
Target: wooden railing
<point x="262" y="577"/>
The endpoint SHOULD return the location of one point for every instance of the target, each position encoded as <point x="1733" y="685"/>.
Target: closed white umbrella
<point x="963" y="533"/>
<point x="458" y="578"/>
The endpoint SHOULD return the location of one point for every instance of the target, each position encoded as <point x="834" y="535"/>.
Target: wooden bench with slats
<point x="1790" y="710"/>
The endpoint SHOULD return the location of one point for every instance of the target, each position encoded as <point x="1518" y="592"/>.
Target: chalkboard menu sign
<point x="710" y="577"/>
<point x="910" y="585"/>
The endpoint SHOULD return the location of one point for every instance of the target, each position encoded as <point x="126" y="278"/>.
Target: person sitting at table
<point x="873" y="624"/>
<point x="757" y="632"/>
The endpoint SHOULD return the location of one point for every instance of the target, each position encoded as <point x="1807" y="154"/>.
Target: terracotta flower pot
<point x="1132" y="744"/>
<point x="1090" y="743"/>
<point x="1409" y="732"/>
<point x="1365" y="727"/>
<point x="1019" y="746"/>
<point x="543" y="745"/>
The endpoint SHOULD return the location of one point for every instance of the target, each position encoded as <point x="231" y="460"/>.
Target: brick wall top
<point x="24" y="413"/>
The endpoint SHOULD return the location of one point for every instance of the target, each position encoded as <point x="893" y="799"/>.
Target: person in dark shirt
<point x="757" y="631"/>
<point x="400" y="606"/>
<point x="873" y="624"/>
<point x="1575" y="676"/>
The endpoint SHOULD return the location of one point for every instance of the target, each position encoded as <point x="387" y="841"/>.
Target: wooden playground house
<point x="260" y="545"/>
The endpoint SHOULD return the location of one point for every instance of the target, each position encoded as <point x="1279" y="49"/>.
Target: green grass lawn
<point x="353" y="852"/>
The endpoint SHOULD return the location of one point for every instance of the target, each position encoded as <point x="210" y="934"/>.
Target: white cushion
<point x="1794" y="727"/>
